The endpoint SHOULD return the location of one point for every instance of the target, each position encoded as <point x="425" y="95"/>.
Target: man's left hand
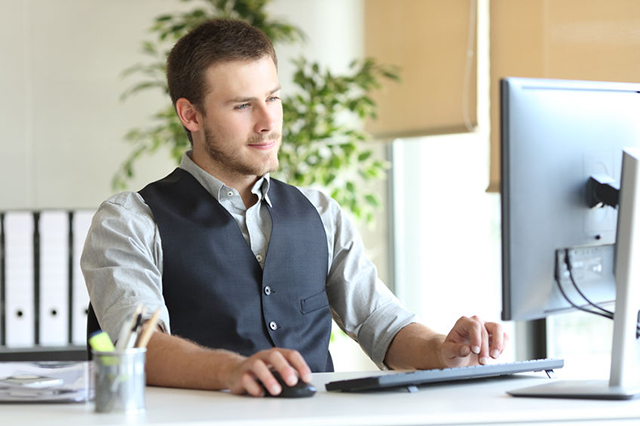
<point x="472" y="341"/>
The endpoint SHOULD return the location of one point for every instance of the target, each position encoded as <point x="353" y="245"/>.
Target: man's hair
<point x="215" y="41"/>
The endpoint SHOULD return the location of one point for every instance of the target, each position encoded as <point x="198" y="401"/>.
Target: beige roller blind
<point x="567" y="39"/>
<point x="428" y="40"/>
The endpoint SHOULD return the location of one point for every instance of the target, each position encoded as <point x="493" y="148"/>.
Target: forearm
<point x="471" y="341"/>
<point x="415" y="347"/>
<point x="176" y="362"/>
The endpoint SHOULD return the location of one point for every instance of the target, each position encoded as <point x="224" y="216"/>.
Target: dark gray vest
<point x="217" y="293"/>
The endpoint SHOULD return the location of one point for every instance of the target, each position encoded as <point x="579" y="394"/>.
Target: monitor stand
<point x="578" y="389"/>
<point x="624" y="381"/>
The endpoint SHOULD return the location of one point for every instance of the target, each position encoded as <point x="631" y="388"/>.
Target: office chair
<point x="92" y="326"/>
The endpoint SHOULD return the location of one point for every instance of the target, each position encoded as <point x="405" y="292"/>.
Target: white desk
<point x="471" y="403"/>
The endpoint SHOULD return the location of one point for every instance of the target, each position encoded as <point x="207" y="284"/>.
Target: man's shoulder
<point x="125" y="199"/>
<point x="315" y="194"/>
<point x="327" y="207"/>
<point x="125" y="203"/>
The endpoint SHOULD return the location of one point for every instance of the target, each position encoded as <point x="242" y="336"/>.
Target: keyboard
<point x="412" y="379"/>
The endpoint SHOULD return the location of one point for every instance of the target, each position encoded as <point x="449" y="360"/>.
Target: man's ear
<point x="189" y="115"/>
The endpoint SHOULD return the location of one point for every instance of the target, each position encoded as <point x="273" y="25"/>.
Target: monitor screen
<point x="555" y="135"/>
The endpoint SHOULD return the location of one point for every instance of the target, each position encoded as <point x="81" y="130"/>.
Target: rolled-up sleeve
<point x="122" y="262"/>
<point x="361" y="304"/>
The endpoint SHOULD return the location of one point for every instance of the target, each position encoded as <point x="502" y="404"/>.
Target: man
<point x="248" y="271"/>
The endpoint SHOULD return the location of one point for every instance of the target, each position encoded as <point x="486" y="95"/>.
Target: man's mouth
<point x="265" y="142"/>
<point x="268" y="144"/>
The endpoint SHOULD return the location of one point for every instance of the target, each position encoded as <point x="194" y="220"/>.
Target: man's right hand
<point x="244" y="376"/>
<point x="176" y="362"/>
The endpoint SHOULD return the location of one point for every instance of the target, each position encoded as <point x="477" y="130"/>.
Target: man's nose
<point x="266" y="119"/>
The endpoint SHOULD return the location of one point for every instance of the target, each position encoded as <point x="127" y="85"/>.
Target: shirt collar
<point x="261" y="188"/>
<point x="215" y="186"/>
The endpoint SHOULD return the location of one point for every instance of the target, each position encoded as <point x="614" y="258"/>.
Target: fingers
<point x="258" y="370"/>
<point x="497" y="339"/>
<point x="483" y="355"/>
<point x="296" y="360"/>
<point x="455" y="354"/>
<point x="471" y="339"/>
<point x="255" y="374"/>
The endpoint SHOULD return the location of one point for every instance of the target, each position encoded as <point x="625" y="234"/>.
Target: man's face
<point x="242" y="119"/>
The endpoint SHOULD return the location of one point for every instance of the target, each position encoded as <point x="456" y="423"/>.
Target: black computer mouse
<point x="300" y="390"/>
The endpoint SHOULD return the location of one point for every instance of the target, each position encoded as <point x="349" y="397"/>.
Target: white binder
<point x="19" y="284"/>
<point x="80" y="300"/>
<point x="54" y="278"/>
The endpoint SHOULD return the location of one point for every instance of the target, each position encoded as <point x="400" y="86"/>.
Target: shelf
<point x="44" y="353"/>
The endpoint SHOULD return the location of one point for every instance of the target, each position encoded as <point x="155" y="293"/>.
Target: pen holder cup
<point x="119" y="380"/>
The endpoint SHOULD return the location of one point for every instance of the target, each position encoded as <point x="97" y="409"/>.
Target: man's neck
<point x="240" y="182"/>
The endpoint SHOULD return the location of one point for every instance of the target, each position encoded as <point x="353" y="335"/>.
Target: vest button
<point x="267" y="290"/>
<point x="273" y="326"/>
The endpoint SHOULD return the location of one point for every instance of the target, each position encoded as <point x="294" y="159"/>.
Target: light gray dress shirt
<point x="122" y="262"/>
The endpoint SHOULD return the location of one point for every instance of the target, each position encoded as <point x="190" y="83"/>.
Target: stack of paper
<point x="48" y="381"/>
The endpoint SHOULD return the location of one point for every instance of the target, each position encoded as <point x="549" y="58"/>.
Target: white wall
<point x="335" y="30"/>
<point x="62" y="124"/>
<point x="60" y="80"/>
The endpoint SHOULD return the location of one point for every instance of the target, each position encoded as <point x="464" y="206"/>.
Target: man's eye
<point x="273" y="98"/>
<point x="242" y="106"/>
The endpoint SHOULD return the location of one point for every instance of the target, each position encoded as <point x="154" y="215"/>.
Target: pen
<point x="128" y="329"/>
<point x="148" y="329"/>
<point x="133" y="336"/>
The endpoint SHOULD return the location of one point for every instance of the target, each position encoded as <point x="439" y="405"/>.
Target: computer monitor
<point x="562" y="151"/>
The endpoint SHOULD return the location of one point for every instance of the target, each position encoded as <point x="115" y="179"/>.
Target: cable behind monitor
<point x="599" y="310"/>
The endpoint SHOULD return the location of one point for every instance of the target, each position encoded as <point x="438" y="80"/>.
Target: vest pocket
<point x="314" y="302"/>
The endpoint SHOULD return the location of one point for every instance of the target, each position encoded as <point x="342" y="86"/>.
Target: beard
<point x="233" y="161"/>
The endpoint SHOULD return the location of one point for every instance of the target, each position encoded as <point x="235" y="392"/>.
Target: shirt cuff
<point x="379" y="330"/>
